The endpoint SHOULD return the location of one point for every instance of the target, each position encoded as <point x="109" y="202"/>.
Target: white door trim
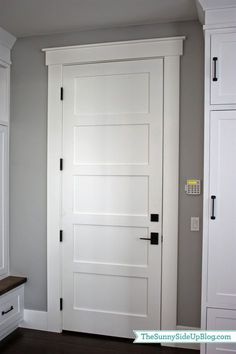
<point x="170" y="49"/>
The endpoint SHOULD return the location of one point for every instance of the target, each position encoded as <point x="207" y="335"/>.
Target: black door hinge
<point x="61" y="236"/>
<point x="61" y="164"/>
<point x="61" y="304"/>
<point x="61" y="94"/>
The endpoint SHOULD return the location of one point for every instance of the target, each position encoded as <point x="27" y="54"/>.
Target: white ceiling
<point x="34" y="17"/>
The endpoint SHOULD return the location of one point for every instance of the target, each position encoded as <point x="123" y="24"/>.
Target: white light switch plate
<point x="194" y="223"/>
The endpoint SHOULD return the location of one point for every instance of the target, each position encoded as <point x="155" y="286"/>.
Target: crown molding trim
<point x="7" y="41"/>
<point x="6" y="38"/>
<point x="213" y="14"/>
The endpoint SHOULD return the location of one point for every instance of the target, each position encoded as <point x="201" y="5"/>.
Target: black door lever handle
<point x="154" y="238"/>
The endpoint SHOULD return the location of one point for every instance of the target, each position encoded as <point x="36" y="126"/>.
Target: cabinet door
<point x="222" y="210"/>
<point x="222" y="320"/>
<point x="3" y="200"/>
<point x="223" y="68"/>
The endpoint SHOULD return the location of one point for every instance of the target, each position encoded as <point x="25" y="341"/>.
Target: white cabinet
<point x="222" y="320"/>
<point x="219" y="209"/>
<point x="11" y="288"/>
<point x="223" y="68"/>
<point x="3" y="200"/>
<point x="6" y="42"/>
<point x="219" y="243"/>
<point x="221" y="286"/>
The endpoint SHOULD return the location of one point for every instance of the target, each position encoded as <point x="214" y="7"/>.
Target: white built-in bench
<point x="11" y="304"/>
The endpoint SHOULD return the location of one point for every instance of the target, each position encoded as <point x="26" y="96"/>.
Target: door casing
<point x="170" y="49"/>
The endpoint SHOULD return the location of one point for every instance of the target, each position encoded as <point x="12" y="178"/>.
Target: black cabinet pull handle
<point x="214" y="69"/>
<point x="5" y="312"/>
<point x="213" y="198"/>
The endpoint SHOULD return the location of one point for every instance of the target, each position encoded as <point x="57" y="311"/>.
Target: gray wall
<point x="28" y="147"/>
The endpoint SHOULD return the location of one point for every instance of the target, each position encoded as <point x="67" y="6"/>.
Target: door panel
<point x="222" y="229"/>
<point x="122" y="242"/>
<point x="111" y="144"/>
<point x="106" y="299"/>
<point x="112" y="182"/>
<point x="119" y="195"/>
<point x="223" y="49"/>
<point x="106" y="94"/>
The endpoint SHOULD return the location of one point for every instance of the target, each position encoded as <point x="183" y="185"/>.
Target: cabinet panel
<point x="222" y="224"/>
<point x="223" y="73"/>
<point x="222" y="320"/>
<point x="4" y="94"/>
<point x="3" y="200"/>
<point x="11" y="310"/>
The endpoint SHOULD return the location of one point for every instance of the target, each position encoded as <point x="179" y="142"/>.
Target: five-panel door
<point x="112" y="183"/>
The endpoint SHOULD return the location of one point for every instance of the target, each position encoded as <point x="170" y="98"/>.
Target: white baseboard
<point x="35" y="320"/>
<point x="194" y="346"/>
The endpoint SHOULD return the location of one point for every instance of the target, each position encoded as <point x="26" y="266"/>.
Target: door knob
<point x="154" y="239"/>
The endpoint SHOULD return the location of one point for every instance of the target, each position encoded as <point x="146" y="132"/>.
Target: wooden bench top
<point x="10" y="283"/>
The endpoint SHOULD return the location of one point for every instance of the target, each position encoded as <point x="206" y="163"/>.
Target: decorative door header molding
<point x="148" y="48"/>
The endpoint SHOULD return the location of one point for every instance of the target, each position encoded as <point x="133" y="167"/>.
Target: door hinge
<point x="61" y="236"/>
<point x="62" y="94"/>
<point x="61" y="304"/>
<point x="61" y="164"/>
<point x="161" y="238"/>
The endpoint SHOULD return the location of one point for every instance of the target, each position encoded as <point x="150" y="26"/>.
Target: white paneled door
<point x="112" y="183"/>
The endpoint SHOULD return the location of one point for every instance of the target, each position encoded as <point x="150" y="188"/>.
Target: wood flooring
<point x="27" y="341"/>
